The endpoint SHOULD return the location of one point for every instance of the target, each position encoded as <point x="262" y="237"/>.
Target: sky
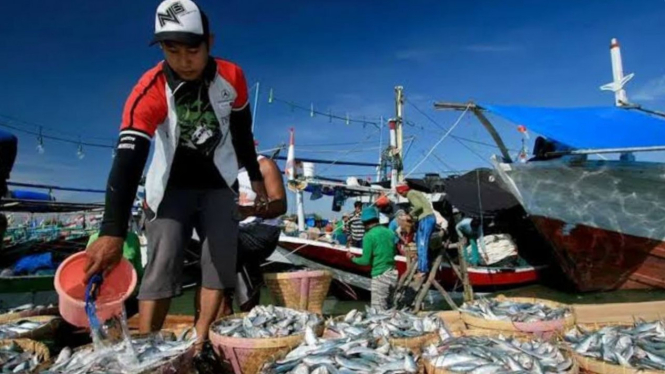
<point x="68" y="67"/>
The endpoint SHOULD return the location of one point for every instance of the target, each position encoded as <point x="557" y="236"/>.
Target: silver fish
<point x="267" y="321"/>
<point x="386" y="323"/>
<point x="149" y="351"/>
<point x="640" y="346"/>
<point x="493" y="309"/>
<point x="484" y="355"/>
<point x="344" y="356"/>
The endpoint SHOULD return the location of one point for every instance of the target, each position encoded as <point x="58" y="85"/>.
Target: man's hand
<point x="349" y="255"/>
<point x="103" y="255"/>
<point x="261" y="201"/>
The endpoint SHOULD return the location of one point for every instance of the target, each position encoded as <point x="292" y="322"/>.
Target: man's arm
<point x="145" y="109"/>
<point x="241" y="129"/>
<point x="366" y="258"/>
<point x="272" y="178"/>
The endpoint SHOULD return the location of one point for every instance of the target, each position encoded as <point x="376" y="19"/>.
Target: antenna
<point x="620" y="97"/>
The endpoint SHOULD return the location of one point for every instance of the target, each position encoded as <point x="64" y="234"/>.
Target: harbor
<point x="327" y="188"/>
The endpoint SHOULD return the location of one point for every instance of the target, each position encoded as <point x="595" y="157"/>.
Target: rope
<point x="459" y="119"/>
<point x="91" y="292"/>
<point x="349" y="151"/>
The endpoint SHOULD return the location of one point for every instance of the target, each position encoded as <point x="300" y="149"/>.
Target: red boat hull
<point x="598" y="260"/>
<point x="335" y="256"/>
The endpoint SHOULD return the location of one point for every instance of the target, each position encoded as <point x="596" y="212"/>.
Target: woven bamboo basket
<point x="36" y="348"/>
<point x="542" y="328"/>
<point x="247" y="356"/>
<point x="302" y="290"/>
<point x="431" y="369"/>
<point x="416" y="343"/>
<point x="47" y="331"/>
<point x="592" y="365"/>
<point x="180" y="364"/>
<point x="29" y="313"/>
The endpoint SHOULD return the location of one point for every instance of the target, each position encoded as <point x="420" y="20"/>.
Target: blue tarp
<point x="596" y="127"/>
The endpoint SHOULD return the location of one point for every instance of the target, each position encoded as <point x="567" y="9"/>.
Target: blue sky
<point x="69" y="66"/>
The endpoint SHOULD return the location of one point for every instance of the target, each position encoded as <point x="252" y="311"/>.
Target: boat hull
<point x="605" y="219"/>
<point x="334" y="256"/>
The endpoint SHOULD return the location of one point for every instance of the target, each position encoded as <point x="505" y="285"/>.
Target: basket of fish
<point x="343" y="356"/>
<point x="619" y="348"/>
<point x="22" y="355"/>
<point x="246" y="341"/>
<point x="522" y="314"/>
<point x="28" y="310"/>
<point x="36" y="328"/>
<point x="302" y="290"/>
<point x="157" y="353"/>
<point x="399" y="327"/>
<point x="482" y="351"/>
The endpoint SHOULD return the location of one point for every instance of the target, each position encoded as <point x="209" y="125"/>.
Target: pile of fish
<point x="386" y="323"/>
<point x="343" y="356"/>
<point x="25" y="308"/>
<point x="507" y="310"/>
<point x="640" y="346"/>
<point x="485" y="355"/>
<point x="267" y="322"/>
<point x="13" y="329"/>
<point x="13" y="359"/>
<point x="144" y="353"/>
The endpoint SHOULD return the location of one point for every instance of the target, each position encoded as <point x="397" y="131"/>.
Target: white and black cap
<point x="180" y="21"/>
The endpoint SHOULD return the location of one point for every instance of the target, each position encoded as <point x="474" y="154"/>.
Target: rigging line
<point x="345" y="154"/>
<point x="364" y="150"/>
<point x="51" y="137"/>
<point x="47" y="128"/>
<point x="445" y="163"/>
<point x="456" y="137"/>
<point x="329" y="115"/>
<point x="459" y="119"/>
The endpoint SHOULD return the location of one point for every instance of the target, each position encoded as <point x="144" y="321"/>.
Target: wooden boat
<point x="333" y="256"/>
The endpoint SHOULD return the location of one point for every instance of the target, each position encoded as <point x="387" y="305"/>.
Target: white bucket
<point x="308" y="169"/>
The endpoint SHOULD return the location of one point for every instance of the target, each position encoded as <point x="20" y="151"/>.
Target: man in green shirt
<point x="379" y="253"/>
<point x="422" y="211"/>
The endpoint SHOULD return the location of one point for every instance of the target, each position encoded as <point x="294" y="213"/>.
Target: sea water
<point x="112" y="336"/>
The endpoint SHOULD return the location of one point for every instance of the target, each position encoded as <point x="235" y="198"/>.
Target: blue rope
<point x="91" y="292"/>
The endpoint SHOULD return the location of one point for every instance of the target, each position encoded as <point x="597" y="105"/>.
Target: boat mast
<point x="399" y="124"/>
<point x="290" y="170"/>
<point x="620" y="97"/>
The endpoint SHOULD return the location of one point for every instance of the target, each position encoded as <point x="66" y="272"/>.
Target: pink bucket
<point x="117" y="287"/>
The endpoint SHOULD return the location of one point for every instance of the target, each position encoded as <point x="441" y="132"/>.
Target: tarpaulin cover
<point x="479" y="192"/>
<point x="592" y="128"/>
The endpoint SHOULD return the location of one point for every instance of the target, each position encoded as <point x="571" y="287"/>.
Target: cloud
<point x="652" y="90"/>
<point x="417" y="54"/>
<point x="491" y="48"/>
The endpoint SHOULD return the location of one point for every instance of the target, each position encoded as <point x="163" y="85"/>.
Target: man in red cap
<point x="196" y="108"/>
<point x="421" y="211"/>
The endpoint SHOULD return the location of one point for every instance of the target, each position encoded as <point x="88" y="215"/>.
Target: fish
<point x="267" y="322"/>
<point x="640" y="346"/>
<point x="344" y="355"/>
<point x="13" y="329"/>
<point x="13" y="359"/>
<point x="484" y="355"/>
<point x="144" y="353"/>
<point x="512" y="311"/>
<point x="387" y="323"/>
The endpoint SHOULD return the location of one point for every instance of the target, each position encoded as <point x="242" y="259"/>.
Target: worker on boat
<point x="423" y="213"/>
<point x="197" y="109"/>
<point x="379" y="253"/>
<point x="339" y="236"/>
<point x="258" y="235"/>
<point x="355" y="230"/>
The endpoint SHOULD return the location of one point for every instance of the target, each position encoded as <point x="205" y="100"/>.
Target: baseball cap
<point x="180" y="21"/>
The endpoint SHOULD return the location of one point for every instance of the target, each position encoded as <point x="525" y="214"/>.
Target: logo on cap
<point x="171" y="14"/>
